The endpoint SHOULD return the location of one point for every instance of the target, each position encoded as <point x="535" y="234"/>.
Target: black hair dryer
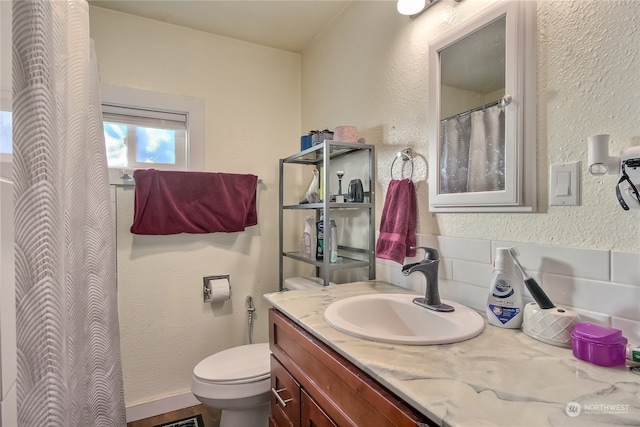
<point x="355" y="192"/>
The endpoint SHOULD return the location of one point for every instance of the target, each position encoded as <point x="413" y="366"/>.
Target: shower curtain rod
<point x="481" y="107"/>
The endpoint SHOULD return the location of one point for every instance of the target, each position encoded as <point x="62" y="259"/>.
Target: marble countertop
<point x="500" y="378"/>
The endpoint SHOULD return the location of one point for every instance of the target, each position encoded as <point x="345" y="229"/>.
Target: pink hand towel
<point x="172" y="202"/>
<point x="398" y="223"/>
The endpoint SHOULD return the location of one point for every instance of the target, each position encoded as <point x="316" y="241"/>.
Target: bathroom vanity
<point x="312" y="385"/>
<point x="323" y="377"/>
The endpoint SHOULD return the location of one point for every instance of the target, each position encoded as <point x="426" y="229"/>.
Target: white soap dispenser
<point x="504" y="304"/>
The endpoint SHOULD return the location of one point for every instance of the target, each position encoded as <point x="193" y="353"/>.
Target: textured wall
<point x="371" y="69"/>
<point x="248" y="91"/>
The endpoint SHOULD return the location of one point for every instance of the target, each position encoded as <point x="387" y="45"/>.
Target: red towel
<point x="398" y="223"/>
<point x="172" y="202"/>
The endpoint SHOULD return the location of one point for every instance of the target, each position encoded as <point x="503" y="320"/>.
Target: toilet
<point x="238" y="380"/>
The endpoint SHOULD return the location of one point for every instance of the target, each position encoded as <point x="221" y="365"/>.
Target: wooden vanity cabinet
<point x="285" y="396"/>
<point x="312" y="415"/>
<point x="316" y="386"/>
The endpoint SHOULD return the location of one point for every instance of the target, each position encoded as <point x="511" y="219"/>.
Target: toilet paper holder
<point x="216" y="288"/>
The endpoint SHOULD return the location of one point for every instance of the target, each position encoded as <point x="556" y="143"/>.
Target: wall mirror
<point x="482" y="149"/>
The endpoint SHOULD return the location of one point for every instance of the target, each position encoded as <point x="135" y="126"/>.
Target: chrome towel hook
<point x="407" y="156"/>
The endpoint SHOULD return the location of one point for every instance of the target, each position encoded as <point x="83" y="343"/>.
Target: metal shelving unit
<point x="321" y="156"/>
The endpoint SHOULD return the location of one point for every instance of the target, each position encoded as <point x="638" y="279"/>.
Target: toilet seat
<point x="238" y="365"/>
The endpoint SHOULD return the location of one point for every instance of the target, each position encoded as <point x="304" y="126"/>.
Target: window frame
<point x="193" y="108"/>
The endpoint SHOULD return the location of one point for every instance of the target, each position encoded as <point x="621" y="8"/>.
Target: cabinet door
<point x="345" y="393"/>
<point x="285" y="396"/>
<point x="312" y="415"/>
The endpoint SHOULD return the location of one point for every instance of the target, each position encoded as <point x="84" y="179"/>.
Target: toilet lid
<point x="245" y="363"/>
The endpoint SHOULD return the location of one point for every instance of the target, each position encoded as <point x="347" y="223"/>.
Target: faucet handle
<point x="430" y="254"/>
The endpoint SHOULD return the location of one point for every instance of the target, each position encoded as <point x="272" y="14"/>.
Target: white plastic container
<point x="504" y="304"/>
<point x="334" y="242"/>
<point x="307" y="248"/>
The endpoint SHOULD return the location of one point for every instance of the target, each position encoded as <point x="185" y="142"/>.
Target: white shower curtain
<point x="472" y="151"/>
<point x="486" y="151"/>
<point x="69" y="371"/>
<point x="454" y="160"/>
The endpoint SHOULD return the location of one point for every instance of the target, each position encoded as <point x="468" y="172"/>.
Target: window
<point x="137" y="138"/>
<point x="5" y="132"/>
<point x="6" y="139"/>
<point x="150" y="130"/>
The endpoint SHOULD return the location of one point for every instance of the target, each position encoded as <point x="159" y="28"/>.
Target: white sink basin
<point x="394" y="318"/>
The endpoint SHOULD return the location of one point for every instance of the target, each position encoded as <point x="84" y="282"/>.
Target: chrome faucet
<point x="429" y="267"/>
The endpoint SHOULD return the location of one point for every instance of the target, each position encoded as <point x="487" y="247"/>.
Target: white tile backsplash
<point x="603" y="297"/>
<point x="469" y="295"/>
<point x="473" y="273"/>
<point x="625" y="267"/>
<point x="630" y="330"/>
<point x="446" y="268"/>
<point x="475" y="250"/>
<point x="602" y="285"/>
<point x="389" y="271"/>
<point x="588" y="263"/>
<point x="593" y="317"/>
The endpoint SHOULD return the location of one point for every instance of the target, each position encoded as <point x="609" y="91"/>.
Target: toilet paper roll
<point x="549" y="325"/>
<point x="220" y="289"/>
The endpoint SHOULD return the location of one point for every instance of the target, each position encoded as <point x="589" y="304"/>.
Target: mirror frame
<point x="519" y="194"/>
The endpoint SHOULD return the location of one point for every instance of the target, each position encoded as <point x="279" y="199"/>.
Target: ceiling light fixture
<point x="411" y="7"/>
<point x="414" y="8"/>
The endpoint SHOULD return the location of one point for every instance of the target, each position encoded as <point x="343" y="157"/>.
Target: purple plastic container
<point x="598" y="344"/>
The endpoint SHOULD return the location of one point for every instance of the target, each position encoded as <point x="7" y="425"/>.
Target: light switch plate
<point x="564" y="184"/>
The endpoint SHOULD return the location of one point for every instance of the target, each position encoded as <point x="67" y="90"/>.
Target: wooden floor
<point x="210" y="417"/>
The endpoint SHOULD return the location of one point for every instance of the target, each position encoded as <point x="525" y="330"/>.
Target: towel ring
<point x="406" y="156"/>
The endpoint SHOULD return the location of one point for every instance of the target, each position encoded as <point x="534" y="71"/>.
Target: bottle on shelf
<point x="320" y="238"/>
<point x="306" y="242"/>
<point x="335" y="156"/>
<point x="334" y="241"/>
